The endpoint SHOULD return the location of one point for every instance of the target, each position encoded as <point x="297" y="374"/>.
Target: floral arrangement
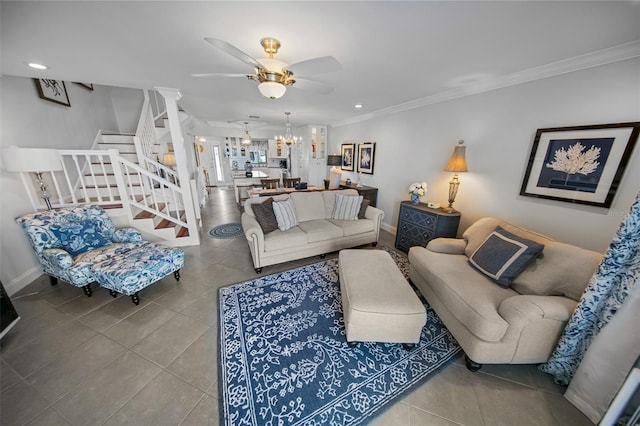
<point x="418" y="189"/>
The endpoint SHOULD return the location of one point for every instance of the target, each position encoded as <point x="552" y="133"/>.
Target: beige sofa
<point x="316" y="233"/>
<point x="495" y="325"/>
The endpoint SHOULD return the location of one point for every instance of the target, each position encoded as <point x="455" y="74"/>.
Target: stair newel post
<point x="114" y="158"/>
<point x="171" y="97"/>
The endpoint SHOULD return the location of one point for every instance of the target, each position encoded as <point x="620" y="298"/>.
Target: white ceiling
<point x="392" y="53"/>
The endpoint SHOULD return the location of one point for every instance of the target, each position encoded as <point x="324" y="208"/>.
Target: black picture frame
<point x="88" y="86"/>
<point x="52" y="90"/>
<point x="579" y="164"/>
<point x="366" y="157"/>
<point x="348" y="153"/>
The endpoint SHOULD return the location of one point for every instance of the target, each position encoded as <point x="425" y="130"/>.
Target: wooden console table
<point x="368" y="192"/>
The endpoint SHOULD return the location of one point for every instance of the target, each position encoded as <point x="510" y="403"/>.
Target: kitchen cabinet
<point x="419" y="224"/>
<point x="314" y="153"/>
<point x="276" y="149"/>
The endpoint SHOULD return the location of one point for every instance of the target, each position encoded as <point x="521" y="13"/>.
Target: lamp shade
<point x="271" y="89"/>
<point x="334" y="160"/>
<point x="457" y="162"/>
<point x="169" y="159"/>
<point x="38" y="160"/>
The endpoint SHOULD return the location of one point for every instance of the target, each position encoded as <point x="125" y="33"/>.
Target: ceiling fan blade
<point x="233" y="51"/>
<point x="312" y="86"/>
<point x="321" y="65"/>
<point x="219" y="74"/>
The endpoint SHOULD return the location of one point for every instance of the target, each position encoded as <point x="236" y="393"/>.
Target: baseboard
<point x="389" y="228"/>
<point x="23" y="280"/>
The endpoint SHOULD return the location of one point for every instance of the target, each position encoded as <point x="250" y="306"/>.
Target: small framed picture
<point x="348" y="156"/>
<point x="52" y="90"/>
<point x="366" y="155"/>
<point x="581" y="164"/>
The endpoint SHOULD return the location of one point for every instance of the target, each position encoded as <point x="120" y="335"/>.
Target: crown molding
<point x="597" y="58"/>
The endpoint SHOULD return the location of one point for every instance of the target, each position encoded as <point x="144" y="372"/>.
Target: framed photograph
<point x="87" y="86"/>
<point x="52" y="90"/>
<point x="348" y="153"/>
<point x="366" y="155"/>
<point x="582" y="164"/>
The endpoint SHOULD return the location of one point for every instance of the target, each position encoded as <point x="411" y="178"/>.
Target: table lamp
<point x="34" y="160"/>
<point x="457" y="163"/>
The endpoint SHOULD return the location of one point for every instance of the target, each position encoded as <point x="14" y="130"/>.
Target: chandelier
<point x="246" y="138"/>
<point x="288" y="137"/>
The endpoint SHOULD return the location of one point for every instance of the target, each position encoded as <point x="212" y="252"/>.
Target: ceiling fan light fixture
<point x="271" y="89"/>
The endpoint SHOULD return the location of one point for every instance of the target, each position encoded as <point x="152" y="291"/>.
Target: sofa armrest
<point x="374" y="214"/>
<point x="447" y="245"/>
<point x="127" y="235"/>
<point x="253" y="232"/>
<point x="58" y="258"/>
<point x="530" y="308"/>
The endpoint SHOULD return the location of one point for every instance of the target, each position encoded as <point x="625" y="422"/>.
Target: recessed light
<point x="37" y="66"/>
<point x="358" y="106"/>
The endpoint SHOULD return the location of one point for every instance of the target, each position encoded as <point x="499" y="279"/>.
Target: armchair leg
<point x="471" y="364"/>
<point x="373" y="244"/>
<point x="408" y="346"/>
<point x="323" y="255"/>
<point x="352" y="344"/>
<point x="87" y="290"/>
<point x="176" y="275"/>
<point x="258" y="270"/>
<point x="135" y="298"/>
<point x="53" y="280"/>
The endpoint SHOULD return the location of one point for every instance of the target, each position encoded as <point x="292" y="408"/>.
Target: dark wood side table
<point x="418" y="224"/>
<point x="368" y="192"/>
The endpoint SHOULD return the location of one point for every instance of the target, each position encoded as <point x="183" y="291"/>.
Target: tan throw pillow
<point x="265" y="216"/>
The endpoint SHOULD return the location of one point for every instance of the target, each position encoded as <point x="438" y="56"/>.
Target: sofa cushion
<point x="308" y="205"/>
<point x="265" y="216"/>
<point x="279" y="240"/>
<point x="346" y="207"/>
<point x="79" y="237"/>
<point x="473" y="297"/>
<point x="285" y="214"/>
<point x="354" y="227"/>
<point x="320" y="230"/>
<point x="503" y="256"/>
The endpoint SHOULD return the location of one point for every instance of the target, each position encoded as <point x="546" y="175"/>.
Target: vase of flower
<point x="416" y="191"/>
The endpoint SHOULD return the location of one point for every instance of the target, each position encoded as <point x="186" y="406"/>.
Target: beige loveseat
<point x="316" y="233"/>
<point x="495" y="325"/>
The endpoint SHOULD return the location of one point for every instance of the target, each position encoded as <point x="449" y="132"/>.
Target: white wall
<point x="498" y="128"/>
<point x="127" y="104"/>
<point x="28" y="121"/>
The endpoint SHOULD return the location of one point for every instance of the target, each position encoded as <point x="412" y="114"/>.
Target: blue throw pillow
<point x="79" y="237"/>
<point x="503" y="256"/>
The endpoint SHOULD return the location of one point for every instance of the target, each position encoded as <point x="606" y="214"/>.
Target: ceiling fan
<point x="274" y="76"/>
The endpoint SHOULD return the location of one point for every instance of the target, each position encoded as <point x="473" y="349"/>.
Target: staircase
<point x="121" y="173"/>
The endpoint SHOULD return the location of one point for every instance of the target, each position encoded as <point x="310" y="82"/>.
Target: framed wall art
<point x="366" y="156"/>
<point x="581" y="164"/>
<point x="88" y="86"/>
<point x="52" y="90"/>
<point x="348" y="156"/>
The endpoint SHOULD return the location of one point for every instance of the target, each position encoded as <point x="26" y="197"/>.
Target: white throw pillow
<point x="285" y="214"/>
<point x="334" y="180"/>
<point x="346" y="207"/>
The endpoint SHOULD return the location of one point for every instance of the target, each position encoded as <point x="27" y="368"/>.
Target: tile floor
<point x="74" y="360"/>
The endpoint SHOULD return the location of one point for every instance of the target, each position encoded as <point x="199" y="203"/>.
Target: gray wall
<point x="498" y="128"/>
<point x="31" y="122"/>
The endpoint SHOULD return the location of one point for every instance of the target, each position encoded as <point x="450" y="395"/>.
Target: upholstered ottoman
<point x="379" y="304"/>
<point x="138" y="269"/>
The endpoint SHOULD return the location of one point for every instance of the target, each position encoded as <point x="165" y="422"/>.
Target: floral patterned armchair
<point x="80" y="244"/>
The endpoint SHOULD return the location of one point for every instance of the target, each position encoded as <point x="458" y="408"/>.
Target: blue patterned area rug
<point x="284" y="359"/>
<point x="227" y="231"/>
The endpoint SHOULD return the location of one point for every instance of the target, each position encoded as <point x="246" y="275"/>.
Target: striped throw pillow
<point x="285" y="214"/>
<point x="346" y="207"/>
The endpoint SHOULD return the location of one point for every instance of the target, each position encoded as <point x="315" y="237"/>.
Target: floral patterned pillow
<point x="79" y="237"/>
